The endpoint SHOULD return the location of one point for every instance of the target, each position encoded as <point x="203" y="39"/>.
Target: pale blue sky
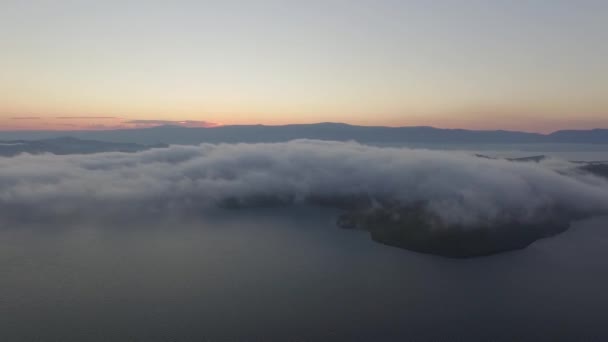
<point x="530" y="65"/>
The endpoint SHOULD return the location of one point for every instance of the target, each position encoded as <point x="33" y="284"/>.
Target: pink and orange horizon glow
<point x="114" y="123"/>
<point x="93" y="123"/>
<point x="527" y="66"/>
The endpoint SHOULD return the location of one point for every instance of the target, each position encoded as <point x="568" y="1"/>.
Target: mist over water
<point x="268" y="275"/>
<point x="456" y="186"/>
<point x="303" y="171"/>
<point x="97" y="248"/>
<point x="580" y="152"/>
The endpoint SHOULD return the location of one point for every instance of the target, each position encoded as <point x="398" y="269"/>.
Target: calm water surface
<point x="290" y="275"/>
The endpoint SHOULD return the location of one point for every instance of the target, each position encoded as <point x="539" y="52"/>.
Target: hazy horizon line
<point x="152" y="123"/>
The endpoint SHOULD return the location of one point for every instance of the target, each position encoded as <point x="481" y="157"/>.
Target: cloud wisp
<point x="182" y="123"/>
<point x="458" y="187"/>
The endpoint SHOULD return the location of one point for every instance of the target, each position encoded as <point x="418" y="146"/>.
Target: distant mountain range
<point x="66" y="145"/>
<point x="325" y="131"/>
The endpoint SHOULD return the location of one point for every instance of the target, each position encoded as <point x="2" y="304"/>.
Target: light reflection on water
<point x="290" y="274"/>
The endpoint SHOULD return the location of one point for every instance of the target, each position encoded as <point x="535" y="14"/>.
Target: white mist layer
<point x="458" y="187"/>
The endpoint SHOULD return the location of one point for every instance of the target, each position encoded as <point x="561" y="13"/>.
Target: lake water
<point x="573" y="152"/>
<point x="290" y="275"/>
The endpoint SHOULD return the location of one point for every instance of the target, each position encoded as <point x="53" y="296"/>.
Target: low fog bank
<point x="457" y="188"/>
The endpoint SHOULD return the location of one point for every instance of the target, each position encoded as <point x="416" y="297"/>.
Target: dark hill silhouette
<point x="66" y="145"/>
<point x="325" y="131"/>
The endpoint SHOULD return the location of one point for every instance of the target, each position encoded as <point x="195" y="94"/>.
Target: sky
<point x="530" y="65"/>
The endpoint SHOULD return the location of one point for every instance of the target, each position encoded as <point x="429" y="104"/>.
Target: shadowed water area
<point x="290" y="275"/>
